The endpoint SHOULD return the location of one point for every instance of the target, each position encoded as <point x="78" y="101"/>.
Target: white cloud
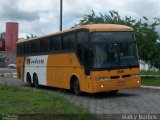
<point x="37" y="5"/>
<point x="42" y="16"/>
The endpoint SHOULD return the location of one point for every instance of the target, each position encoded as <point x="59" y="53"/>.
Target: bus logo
<point x="120" y="71"/>
<point x="28" y="61"/>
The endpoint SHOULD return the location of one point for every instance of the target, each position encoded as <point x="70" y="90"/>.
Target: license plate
<point x="121" y="83"/>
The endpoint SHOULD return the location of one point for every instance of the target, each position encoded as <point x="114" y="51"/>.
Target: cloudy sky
<point x="42" y="16"/>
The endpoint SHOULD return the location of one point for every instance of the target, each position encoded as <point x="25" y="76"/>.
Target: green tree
<point x="145" y="32"/>
<point x="31" y="36"/>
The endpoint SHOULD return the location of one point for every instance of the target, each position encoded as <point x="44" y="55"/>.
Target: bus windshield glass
<point x="114" y="55"/>
<point x="112" y="36"/>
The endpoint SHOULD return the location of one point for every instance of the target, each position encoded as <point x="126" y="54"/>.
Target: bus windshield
<point x="112" y="36"/>
<point x="114" y="55"/>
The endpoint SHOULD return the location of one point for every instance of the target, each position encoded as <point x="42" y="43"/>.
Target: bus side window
<point x="52" y="43"/>
<point x="20" y="49"/>
<point x="27" y="48"/>
<point x="86" y="59"/>
<point x="44" y="45"/>
<point x="79" y="52"/>
<point x="83" y="51"/>
<point x="65" y="42"/>
<point x="58" y="43"/>
<point x="69" y="41"/>
<point x="82" y="36"/>
<point x="35" y="47"/>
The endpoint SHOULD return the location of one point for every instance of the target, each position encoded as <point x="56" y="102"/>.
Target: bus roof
<point x="90" y="27"/>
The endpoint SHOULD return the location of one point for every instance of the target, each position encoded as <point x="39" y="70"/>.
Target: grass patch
<point x="150" y="72"/>
<point x="150" y="81"/>
<point x="31" y="104"/>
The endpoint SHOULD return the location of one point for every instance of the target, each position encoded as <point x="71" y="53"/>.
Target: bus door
<point x="84" y="54"/>
<point x="84" y="57"/>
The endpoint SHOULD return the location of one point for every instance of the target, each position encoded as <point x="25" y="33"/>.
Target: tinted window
<point x="57" y="43"/>
<point x="44" y="45"/>
<point x="82" y="36"/>
<point x="27" y="48"/>
<point x="84" y="53"/>
<point x="35" y="47"/>
<point x="52" y="44"/>
<point x="86" y="59"/>
<point x="80" y="53"/>
<point x="69" y="41"/>
<point x="114" y="55"/>
<point x="20" y="49"/>
<point x="112" y="36"/>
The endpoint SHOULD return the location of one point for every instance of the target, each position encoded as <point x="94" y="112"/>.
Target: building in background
<point x="2" y="41"/>
<point x="146" y="66"/>
<point x="11" y="36"/>
<point x="8" y="44"/>
<point x="2" y="50"/>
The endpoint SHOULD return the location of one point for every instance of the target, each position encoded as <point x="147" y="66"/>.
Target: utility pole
<point x="61" y="9"/>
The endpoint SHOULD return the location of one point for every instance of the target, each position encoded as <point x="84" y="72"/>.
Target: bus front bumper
<point x="116" y="84"/>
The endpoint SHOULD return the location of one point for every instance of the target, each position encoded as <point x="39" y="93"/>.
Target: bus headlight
<point x="102" y="86"/>
<point x="101" y="78"/>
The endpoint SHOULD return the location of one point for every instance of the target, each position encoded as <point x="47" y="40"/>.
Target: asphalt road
<point x="133" y="101"/>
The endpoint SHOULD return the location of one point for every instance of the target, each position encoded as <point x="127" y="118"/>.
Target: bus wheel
<point x="35" y="81"/>
<point x="114" y="92"/>
<point x="28" y="80"/>
<point x="76" y="87"/>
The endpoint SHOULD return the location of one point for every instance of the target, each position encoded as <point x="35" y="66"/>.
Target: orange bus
<point x="90" y="58"/>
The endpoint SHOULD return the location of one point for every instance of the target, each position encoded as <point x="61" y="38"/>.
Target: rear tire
<point x="35" y="81"/>
<point x="28" y="80"/>
<point x="76" y="87"/>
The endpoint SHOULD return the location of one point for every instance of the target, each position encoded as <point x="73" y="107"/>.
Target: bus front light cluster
<point x="101" y="78"/>
<point x="102" y="86"/>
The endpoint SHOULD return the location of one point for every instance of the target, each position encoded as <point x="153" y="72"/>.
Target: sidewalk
<point x="150" y="75"/>
<point x="6" y="72"/>
<point x="8" y="75"/>
<point x="150" y="87"/>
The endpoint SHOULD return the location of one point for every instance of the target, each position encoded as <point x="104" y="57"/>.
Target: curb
<point x="150" y="75"/>
<point x="150" y="87"/>
<point x="8" y="74"/>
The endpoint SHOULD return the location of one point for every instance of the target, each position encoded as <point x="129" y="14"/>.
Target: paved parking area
<point x="132" y="101"/>
<point x="135" y="102"/>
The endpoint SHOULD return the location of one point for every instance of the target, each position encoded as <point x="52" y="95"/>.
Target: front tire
<point x="76" y="87"/>
<point x="114" y="92"/>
